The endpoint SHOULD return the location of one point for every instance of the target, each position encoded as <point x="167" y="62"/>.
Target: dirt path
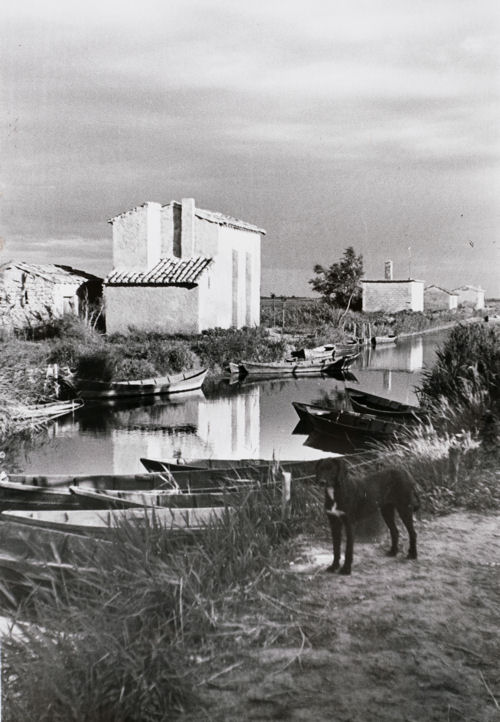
<point x="397" y="640"/>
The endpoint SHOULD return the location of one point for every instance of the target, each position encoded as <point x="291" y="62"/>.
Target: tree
<point x="339" y="284"/>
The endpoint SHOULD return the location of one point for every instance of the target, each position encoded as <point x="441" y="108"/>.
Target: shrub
<point x="99" y="364"/>
<point x="217" y="346"/>
<point x="462" y="388"/>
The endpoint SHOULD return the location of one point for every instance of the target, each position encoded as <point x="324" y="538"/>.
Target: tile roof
<point x="212" y="216"/>
<point x="440" y="288"/>
<point x="50" y="272"/>
<point x="224" y="220"/>
<point x="167" y="272"/>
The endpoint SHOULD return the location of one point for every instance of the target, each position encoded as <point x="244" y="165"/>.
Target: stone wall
<point x="28" y="300"/>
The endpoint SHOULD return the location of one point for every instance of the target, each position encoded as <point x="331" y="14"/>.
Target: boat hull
<point x="174" y="384"/>
<point x="103" y="523"/>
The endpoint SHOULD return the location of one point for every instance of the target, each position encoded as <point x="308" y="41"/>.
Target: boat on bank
<point x="119" y="499"/>
<point x="184" y="479"/>
<point x="102" y="523"/>
<point x="34" y="413"/>
<point x="171" y="384"/>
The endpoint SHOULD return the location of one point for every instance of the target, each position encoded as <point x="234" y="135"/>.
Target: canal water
<point x="247" y="419"/>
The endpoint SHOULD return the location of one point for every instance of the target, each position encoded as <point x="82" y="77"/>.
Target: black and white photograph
<point x="250" y="361"/>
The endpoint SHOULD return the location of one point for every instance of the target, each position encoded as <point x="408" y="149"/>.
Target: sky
<point x="331" y="123"/>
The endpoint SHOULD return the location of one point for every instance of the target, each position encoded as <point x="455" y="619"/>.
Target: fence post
<point x="286" y="494"/>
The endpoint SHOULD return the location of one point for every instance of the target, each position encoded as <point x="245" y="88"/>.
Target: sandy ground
<point x="397" y="640"/>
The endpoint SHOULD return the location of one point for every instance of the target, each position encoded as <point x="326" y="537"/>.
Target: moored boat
<point x="342" y="363"/>
<point x="301" y="470"/>
<point x="364" y="402"/>
<point x="283" y="368"/>
<point x="102" y="523"/>
<point x="172" y="384"/>
<point x="334" y="421"/>
<point x="381" y="340"/>
<point x="298" y="368"/>
<point x="319" y="352"/>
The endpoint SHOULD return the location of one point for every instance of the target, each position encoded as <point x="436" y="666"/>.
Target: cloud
<point x="357" y="121"/>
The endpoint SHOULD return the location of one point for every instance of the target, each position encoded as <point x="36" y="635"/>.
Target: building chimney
<point x="187" y="227"/>
<point x="388" y="270"/>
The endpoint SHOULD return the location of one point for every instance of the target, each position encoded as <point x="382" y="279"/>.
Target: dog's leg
<point x="349" y="544"/>
<point x="387" y="511"/>
<point x="336" y="529"/>
<point x="406" y="514"/>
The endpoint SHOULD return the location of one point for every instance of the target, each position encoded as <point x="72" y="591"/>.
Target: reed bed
<point x="133" y="636"/>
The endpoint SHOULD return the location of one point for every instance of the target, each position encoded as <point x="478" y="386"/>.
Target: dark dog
<point x="348" y="498"/>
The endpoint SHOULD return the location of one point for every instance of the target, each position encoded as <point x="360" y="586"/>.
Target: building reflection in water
<point x="406" y="355"/>
<point x="226" y="427"/>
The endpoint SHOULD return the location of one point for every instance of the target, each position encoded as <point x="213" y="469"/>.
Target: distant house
<point x="390" y="296"/>
<point x="31" y="293"/>
<point x="470" y="296"/>
<point x="181" y="269"/>
<point x="439" y="299"/>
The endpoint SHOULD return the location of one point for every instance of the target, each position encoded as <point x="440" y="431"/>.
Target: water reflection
<point x="244" y="419"/>
<point x="406" y="355"/>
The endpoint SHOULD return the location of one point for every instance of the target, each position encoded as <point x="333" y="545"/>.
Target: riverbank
<point x="397" y="640"/>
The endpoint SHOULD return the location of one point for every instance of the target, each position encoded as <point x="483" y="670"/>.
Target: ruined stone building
<point x="180" y="269"/>
<point x="32" y="294"/>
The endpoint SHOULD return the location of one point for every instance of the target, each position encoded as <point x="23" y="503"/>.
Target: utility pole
<point x="409" y="262"/>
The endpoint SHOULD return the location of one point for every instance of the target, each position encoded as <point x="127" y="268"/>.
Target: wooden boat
<point x="298" y="368"/>
<point x="283" y="368"/>
<point x="28" y="496"/>
<point x="50" y="410"/>
<point x="186" y="480"/>
<point x="119" y="499"/>
<point x="233" y="368"/>
<point x="320" y="352"/>
<point x="366" y="403"/>
<point x="334" y="421"/>
<point x="342" y="363"/>
<point x="102" y="523"/>
<point x="380" y="340"/>
<point x="300" y="469"/>
<point x="172" y="384"/>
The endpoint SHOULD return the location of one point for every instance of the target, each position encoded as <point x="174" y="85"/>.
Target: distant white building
<point x="181" y="269"/>
<point x="390" y="296"/>
<point x="439" y="299"/>
<point x="470" y="296"/>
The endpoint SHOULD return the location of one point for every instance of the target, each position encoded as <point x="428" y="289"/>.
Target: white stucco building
<point x="439" y="299"/>
<point x="390" y="296"/>
<point x="470" y="296"/>
<point x="182" y="269"/>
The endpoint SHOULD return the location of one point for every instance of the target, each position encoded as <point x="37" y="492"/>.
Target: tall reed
<point x="125" y="640"/>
